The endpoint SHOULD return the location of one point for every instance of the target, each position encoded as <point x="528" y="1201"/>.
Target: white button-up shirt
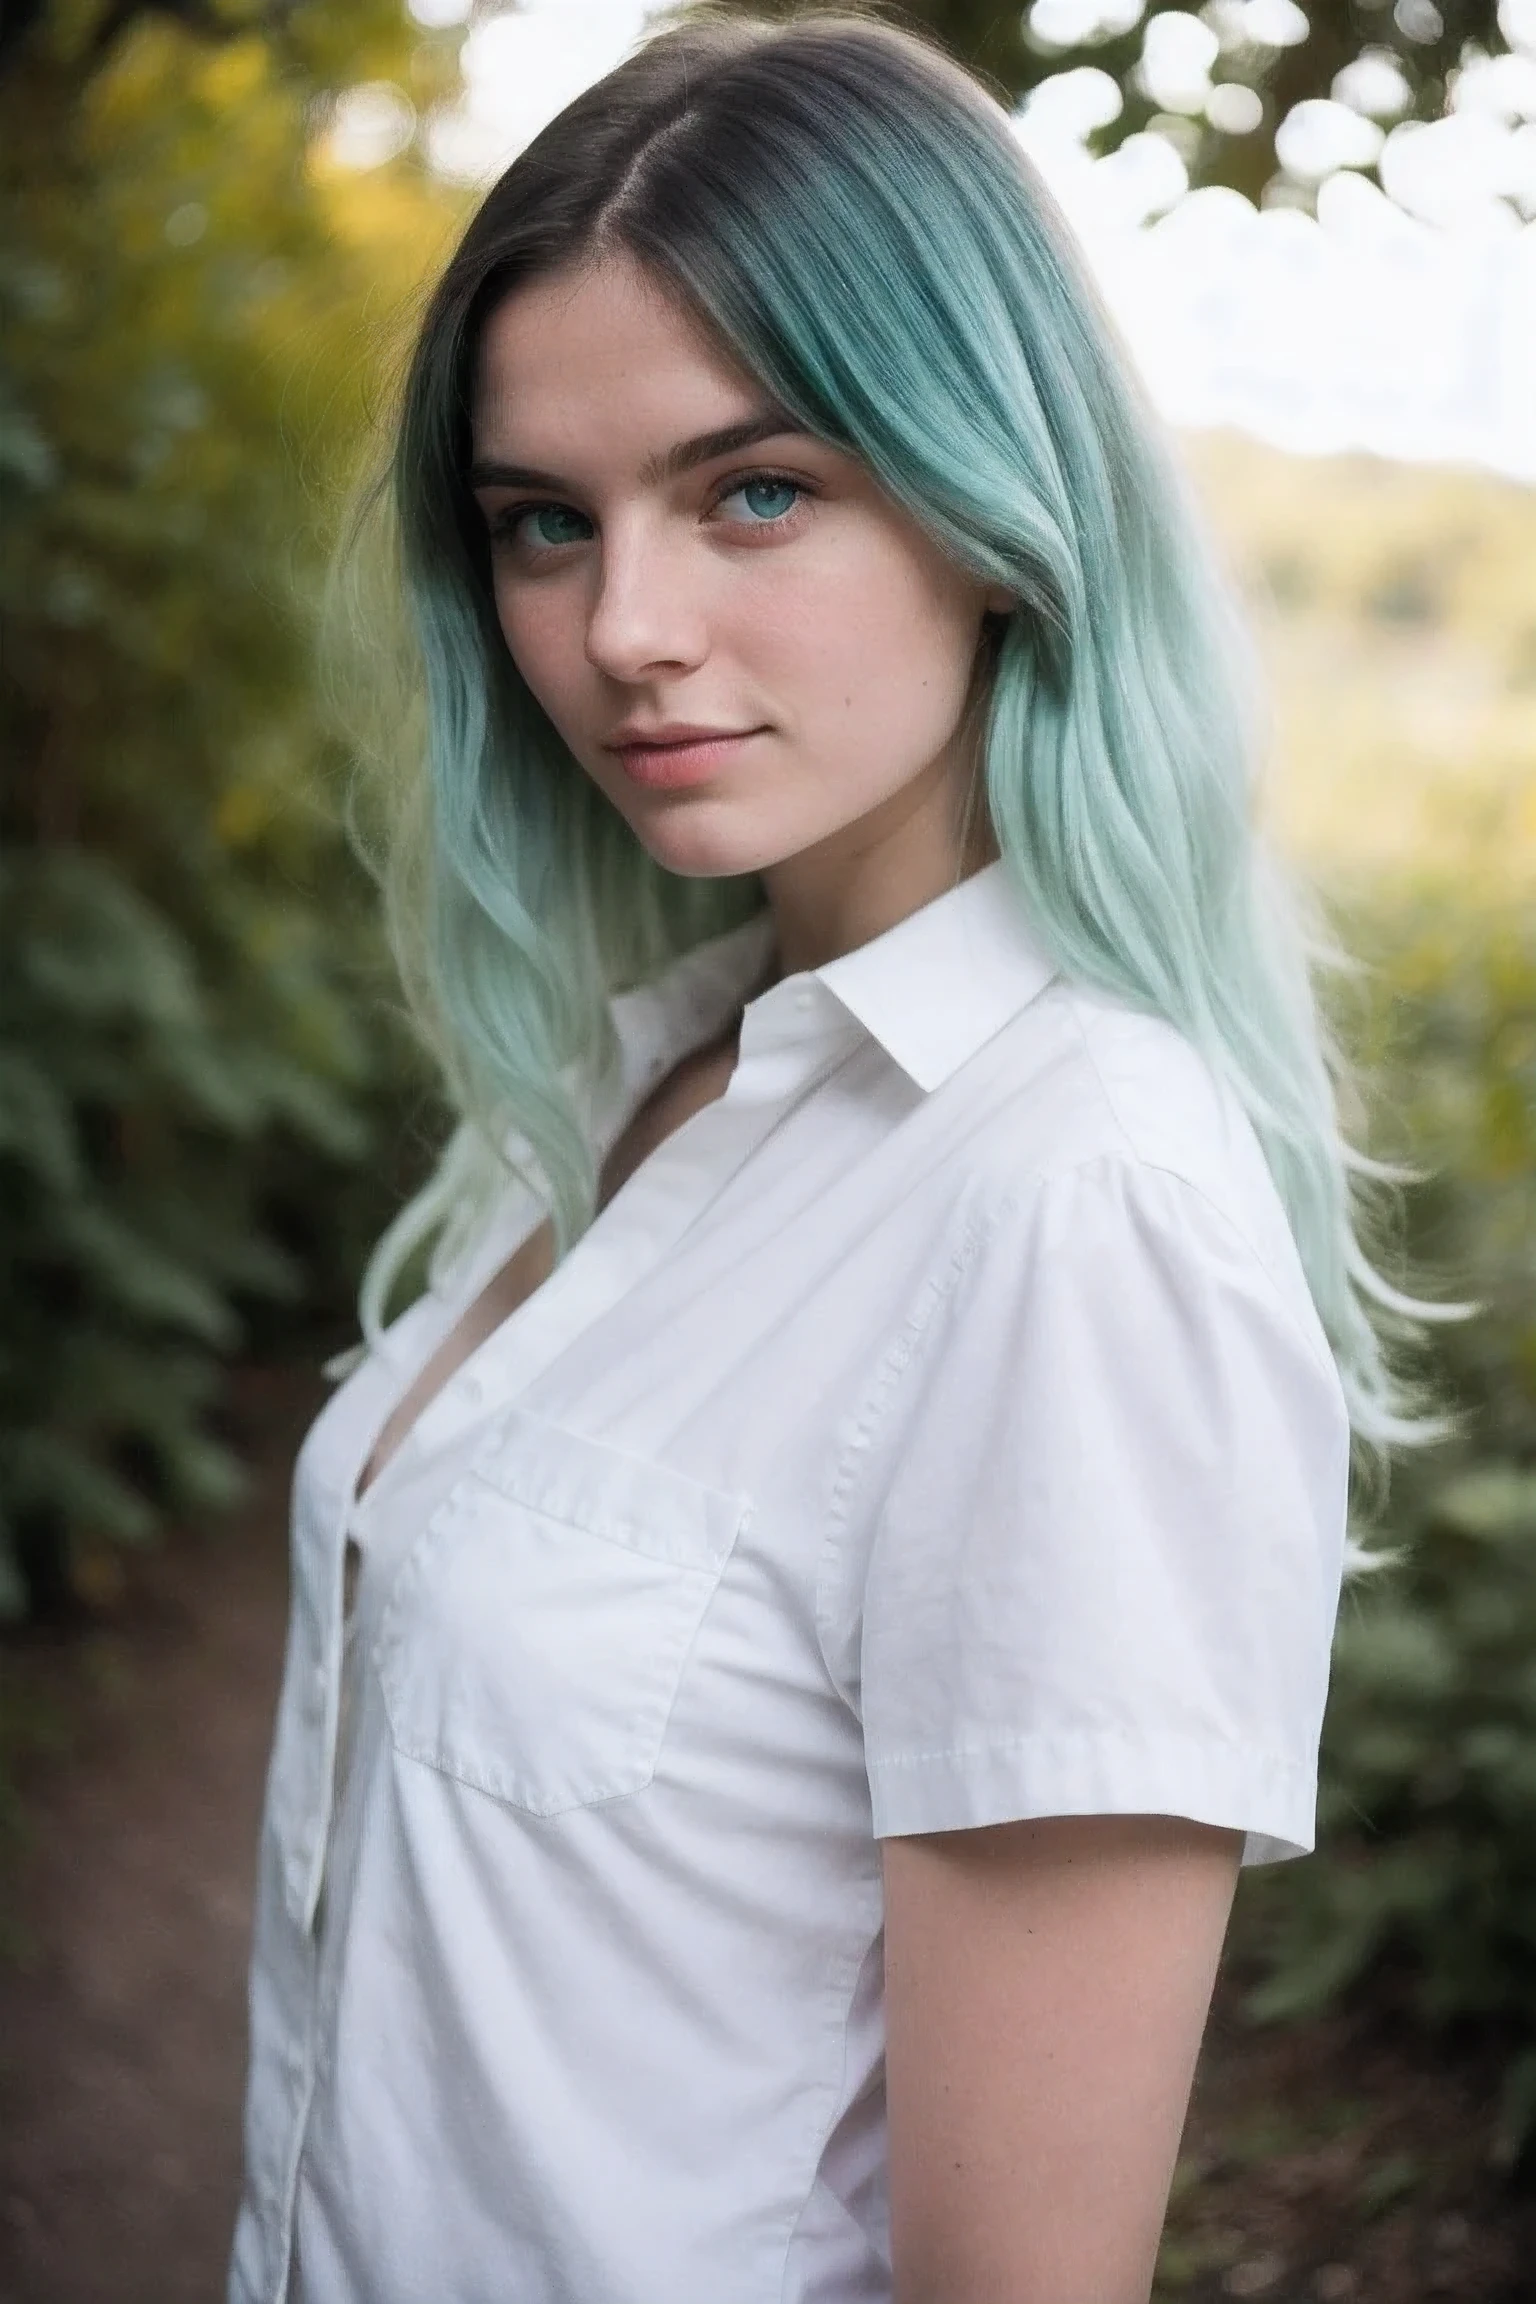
<point x="934" y="1430"/>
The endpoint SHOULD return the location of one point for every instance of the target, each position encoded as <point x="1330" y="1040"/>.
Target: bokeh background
<point x="1317" y="229"/>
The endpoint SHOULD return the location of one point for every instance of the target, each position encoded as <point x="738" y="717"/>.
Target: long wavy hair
<point x="849" y="214"/>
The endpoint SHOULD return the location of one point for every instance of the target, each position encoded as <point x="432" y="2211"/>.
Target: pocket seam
<point x="719" y="1517"/>
<point x="569" y="1487"/>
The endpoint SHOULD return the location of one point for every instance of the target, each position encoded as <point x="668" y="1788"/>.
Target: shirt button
<point x="805" y="998"/>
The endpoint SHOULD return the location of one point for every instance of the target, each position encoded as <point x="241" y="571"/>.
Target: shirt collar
<point x="932" y="990"/>
<point x="936" y="987"/>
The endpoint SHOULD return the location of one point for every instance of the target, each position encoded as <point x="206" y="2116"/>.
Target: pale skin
<point x="1047" y="1982"/>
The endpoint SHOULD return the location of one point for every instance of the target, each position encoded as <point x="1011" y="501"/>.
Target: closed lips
<point x="668" y="739"/>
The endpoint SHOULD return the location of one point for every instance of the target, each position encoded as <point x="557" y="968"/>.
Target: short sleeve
<point x="1105" y="1564"/>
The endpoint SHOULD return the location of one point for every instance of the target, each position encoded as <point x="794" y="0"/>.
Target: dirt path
<point x="123" y="2023"/>
<point x="1333" y="2164"/>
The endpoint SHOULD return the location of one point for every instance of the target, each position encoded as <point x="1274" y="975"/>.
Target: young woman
<point x="796" y="1629"/>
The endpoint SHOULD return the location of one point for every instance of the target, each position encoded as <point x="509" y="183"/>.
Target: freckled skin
<point x="840" y="631"/>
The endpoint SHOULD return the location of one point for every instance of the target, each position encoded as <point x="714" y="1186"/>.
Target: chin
<point x="696" y="844"/>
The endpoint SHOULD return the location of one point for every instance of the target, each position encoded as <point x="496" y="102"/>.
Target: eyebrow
<point x="768" y="424"/>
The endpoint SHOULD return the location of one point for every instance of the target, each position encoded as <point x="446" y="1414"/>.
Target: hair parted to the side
<point x="849" y="214"/>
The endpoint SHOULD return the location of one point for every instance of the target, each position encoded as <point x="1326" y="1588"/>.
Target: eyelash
<point x="502" y="525"/>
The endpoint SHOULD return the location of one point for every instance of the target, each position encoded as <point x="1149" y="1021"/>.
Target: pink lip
<point x="666" y="767"/>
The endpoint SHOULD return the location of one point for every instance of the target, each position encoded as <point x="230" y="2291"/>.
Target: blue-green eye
<point x="555" y="523"/>
<point x="768" y="496"/>
<point x="538" y="527"/>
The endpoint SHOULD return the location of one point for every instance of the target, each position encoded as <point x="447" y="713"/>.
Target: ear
<point x="1000" y="602"/>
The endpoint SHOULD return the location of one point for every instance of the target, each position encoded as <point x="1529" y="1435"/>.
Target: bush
<point x="139" y="1107"/>
<point x="1425" y="1874"/>
<point x="193" y="1040"/>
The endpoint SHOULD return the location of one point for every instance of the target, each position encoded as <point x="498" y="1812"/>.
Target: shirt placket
<point x="304" y="1745"/>
<point x="792" y="1038"/>
<point x="302" y="1779"/>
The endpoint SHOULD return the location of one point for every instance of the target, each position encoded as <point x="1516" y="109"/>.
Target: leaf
<point x="60" y="1470"/>
<point x="36" y="1127"/>
<point x="140" y="1278"/>
<point x="93" y="949"/>
<point x="1495" y="1503"/>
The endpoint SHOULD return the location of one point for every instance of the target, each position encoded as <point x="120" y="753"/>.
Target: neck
<point x="832" y="898"/>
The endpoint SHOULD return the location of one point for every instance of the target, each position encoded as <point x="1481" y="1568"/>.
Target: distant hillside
<point x="1396" y="606"/>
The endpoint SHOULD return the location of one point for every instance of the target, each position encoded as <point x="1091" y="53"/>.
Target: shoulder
<point x="1097" y="1132"/>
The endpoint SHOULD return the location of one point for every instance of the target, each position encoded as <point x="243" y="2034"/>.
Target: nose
<point x="649" y="611"/>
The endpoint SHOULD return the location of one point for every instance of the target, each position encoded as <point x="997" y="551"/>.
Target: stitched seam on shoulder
<point x="1164" y="1168"/>
<point x="1095" y="1067"/>
<point x="1323" y="1361"/>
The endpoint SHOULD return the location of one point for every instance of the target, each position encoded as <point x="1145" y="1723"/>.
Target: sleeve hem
<point x="1271" y="1801"/>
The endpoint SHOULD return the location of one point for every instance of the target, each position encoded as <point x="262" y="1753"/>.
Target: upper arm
<point x="1095" y="1621"/>
<point x="1046" y="1986"/>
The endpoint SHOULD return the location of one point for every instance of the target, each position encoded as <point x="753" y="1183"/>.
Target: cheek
<point x="888" y="646"/>
<point x="543" y="638"/>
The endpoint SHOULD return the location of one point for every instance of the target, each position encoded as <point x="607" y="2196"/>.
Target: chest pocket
<point x="536" y="1634"/>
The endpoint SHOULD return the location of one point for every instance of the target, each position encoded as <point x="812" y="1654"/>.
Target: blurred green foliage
<point x="193" y="1033"/>
<point x="1424" y="1886"/>
<point x="201" y="1093"/>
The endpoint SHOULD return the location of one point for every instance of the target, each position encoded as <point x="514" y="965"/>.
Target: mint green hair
<point x="850" y="216"/>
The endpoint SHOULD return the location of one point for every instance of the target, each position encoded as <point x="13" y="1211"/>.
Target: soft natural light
<point x="370" y="124"/>
<point x="1177" y="52"/>
<point x="519" y="70"/>
<point x="1401" y="318"/>
<point x="1074" y="23"/>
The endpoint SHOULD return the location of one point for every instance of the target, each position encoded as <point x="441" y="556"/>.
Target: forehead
<point x="592" y="358"/>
